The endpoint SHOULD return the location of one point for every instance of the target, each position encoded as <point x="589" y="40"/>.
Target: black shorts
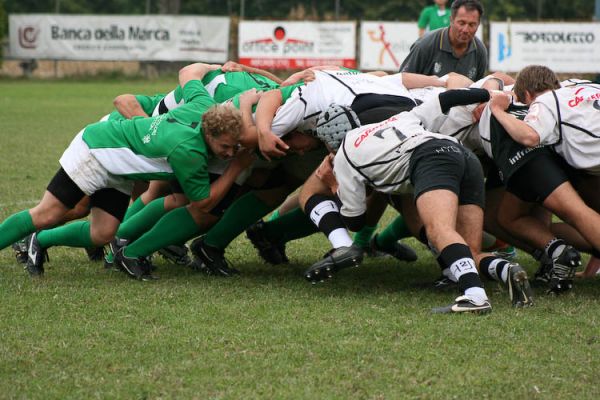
<point x="538" y="177"/>
<point x="67" y="192"/>
<point x="370" y="101"/>
<point x="175" y="186"/>
<point x="443" y="164"/>
<point x="492" y="178"/>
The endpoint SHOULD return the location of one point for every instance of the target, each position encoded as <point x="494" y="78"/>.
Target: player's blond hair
<point x="535" y="79"/>
<point x="222" y="119"/>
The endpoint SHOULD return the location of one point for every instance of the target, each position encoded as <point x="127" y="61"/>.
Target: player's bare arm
<point x="455" y="80"/>
<point x="517" y="129"/>
<point x="195" y="72"/>
<point x="308" y="75"/>
<point x="221" y="186"/>
<point x="270" y="145"/>
<point x="232" y="66"/>
<point x="411" y="80"/>
<point x="128" y="106"/>
<point x="325" y="173"/>
<point x="248" y="134"/>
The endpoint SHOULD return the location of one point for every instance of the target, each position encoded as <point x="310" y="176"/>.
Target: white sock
<point x="340" y="238"/>
<point x="477" y="294"/>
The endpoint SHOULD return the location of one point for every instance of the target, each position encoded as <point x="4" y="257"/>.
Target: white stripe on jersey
<point x="123" y="161"/>
<point x="211" y="86"/>
<point x="569" y="119"/>
<point x="169" y="102"/>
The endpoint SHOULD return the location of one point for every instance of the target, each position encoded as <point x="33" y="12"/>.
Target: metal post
<point x="242" y="9"/>
<point x="148" y="6"/>
<point x="337" y="10"/>
<point x="597" y="17"/>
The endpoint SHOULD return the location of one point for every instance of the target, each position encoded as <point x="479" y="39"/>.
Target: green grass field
<point x="84" y="332"/>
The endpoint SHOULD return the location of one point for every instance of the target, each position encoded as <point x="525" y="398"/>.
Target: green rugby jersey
<point x="286" y="92"/>
<point x="163" y="147"/>
<point x="224" y="85"/>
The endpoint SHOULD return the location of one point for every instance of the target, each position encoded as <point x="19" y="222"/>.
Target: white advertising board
<point x="384" y="45"/>
<point x="296" y="45"/>
<point x="103" y="37"/>
<point x="563" y="47"/>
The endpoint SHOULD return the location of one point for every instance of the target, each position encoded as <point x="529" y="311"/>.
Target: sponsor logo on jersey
<point x="580" y="98"/>
<point x="365" y="134"/>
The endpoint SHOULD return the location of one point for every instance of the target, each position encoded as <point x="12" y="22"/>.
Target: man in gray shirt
<point x="452" y="49"/>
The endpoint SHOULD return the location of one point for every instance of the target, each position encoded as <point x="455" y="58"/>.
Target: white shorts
<point x="87" y="173"/>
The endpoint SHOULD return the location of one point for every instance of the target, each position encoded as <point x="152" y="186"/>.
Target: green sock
<point x="395" y="231"/>
<point x="291" y="225"/>
<point x="176" y="226"/>
<point x="134" y="208"/>
<point x="75" y="234"/>
<point x="362" y="238"/>
<point x="274" y="215"/>
<point x="239" y="216"/>
<point x="142" y="221"/>
<point x="15" y="228"/>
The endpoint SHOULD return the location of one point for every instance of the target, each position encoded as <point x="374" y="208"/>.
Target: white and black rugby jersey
<point x="377" y="155"/>
<point x="508" y="155"/>
<point x="458" y="122"/>
<point x="569" y="120"/>
<point x="573" y="81"/>
<point x="303" y="107"/>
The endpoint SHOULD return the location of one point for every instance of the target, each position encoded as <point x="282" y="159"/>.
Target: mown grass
<point x="84" y="332"/>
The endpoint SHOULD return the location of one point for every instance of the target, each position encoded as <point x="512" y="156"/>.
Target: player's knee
<point x="175" y="200"/>
<point x="46" y="217"/>
<point x="102" y="236"/>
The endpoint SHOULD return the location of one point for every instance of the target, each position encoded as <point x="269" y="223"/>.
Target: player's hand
<point x="250" y="97"/>
<point x="214" y="67"/>
<point x="456" y="81"/>
<point x="232" y="66"/>
<point x="271" y="146"/>
<point x="499" y="100"/>
<point x="308" y="75"/>
<point x="325" y="173"/>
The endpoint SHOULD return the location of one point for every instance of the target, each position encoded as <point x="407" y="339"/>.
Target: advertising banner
<point x="291" y="45"/>
<point x="564" y="47"/>
<point x="117" y="38"/>
<point x="384" y="45"/>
